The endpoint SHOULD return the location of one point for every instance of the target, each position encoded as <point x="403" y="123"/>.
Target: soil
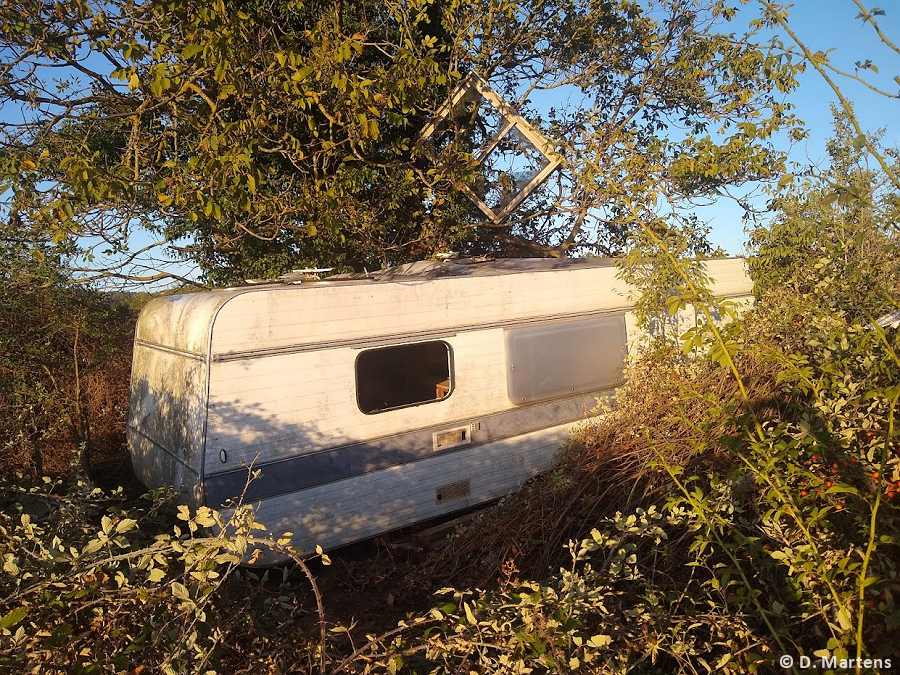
<point x="378" y="582"/>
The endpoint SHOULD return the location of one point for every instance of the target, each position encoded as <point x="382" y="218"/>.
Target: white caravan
<point x="373" y="401"/>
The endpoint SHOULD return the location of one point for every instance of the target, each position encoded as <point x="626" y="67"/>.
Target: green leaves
<point x="867" y="65"/>
<point x="13" y="617"/>
<point x="125" y="577"/>
<point x="328" y="109"/>
<point x="599" y="641"/>
<point x="302" y="73"/>
<point x="156" y="574"/>
<point x="831" y="233"/>
<point x="869" y="15"/>
<point x="191" y="50"/>
<point x="180" y="591"/>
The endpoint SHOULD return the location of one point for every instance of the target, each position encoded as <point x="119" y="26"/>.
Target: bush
<point x="833" y="239"/>
<point x="91" y="584"/>
<point x="65" y="356"/>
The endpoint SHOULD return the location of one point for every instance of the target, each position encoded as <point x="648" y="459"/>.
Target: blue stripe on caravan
<point x="326" y="466"/>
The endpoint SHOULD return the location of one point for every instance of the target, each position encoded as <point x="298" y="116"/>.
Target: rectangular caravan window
<point x="564" y="358"/>
<point x="405" y="375"/>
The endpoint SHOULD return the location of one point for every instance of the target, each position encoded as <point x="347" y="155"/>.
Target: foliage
<point x="835" y="236"/>
<point x="64" y="363"/>
<point x="272" y="135"/>
<point x="93" y="584"/>
<point x="612" y="610"/>
<point x="666" y="270"/>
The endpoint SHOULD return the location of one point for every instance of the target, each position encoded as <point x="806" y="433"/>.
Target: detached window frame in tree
<point x="475" y="87"/>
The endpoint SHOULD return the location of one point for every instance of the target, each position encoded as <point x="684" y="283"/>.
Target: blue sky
<point x="825" y="24"/>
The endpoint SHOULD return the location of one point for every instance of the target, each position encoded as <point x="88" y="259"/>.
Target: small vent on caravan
<point x="457" y="490"/>
<point x="452" y="437"/>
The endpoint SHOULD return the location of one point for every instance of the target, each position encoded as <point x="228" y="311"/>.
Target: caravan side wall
<point x="284" y="398"/>
<point x="169" y="382"/>
<point x="332" y="474"/>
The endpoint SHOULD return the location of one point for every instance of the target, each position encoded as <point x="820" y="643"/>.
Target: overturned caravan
<point x="371" y="402"/>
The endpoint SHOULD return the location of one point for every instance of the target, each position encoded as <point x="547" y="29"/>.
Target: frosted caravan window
<point x="396" y="377"/>
<point x="563" y="358"/>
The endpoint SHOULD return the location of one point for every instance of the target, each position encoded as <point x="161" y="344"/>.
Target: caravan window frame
<point x="563" y="358"/>
<point x="363" y="355"/>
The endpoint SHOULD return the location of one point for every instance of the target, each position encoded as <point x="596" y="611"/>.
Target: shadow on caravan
<point x="369" y="402"/>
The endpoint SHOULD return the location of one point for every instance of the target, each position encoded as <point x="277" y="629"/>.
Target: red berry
<point x="839" y="507"/>
<point x="890" y="495"/>
<point x="829" y="484"/>
<point x="875" y="475"/>
<point x="853" y="460"/>
<point x="815" y="458"/>
<point x="803" y="493"/>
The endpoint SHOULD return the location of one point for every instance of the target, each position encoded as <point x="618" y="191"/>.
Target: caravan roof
<point x="184" y="323"/>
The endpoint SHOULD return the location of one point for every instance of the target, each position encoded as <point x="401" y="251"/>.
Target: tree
<point x="261" y="136"/>
<point x="834" y="233"/>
